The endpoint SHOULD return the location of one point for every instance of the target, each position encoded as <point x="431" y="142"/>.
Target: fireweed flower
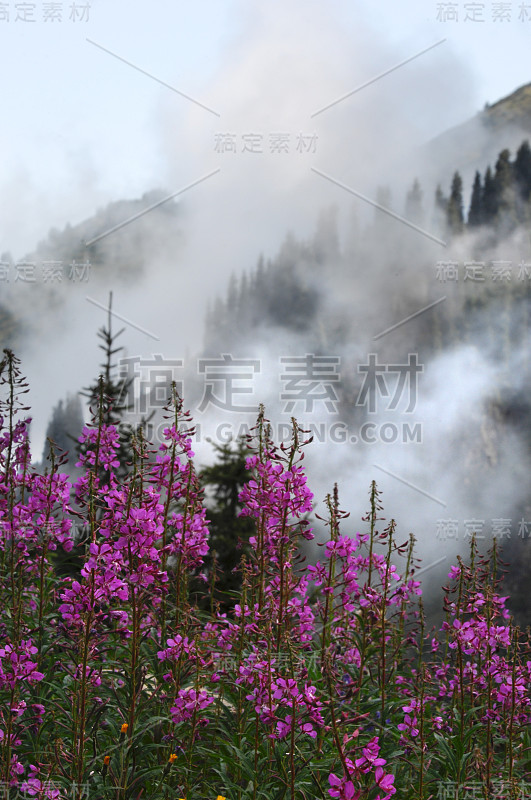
<point x="271" y="694"/>
<point x="92" y="676"/>
<point x="124" y="564"/>
<point x="16" y="666"/>
<point x="343" y="788"/>
<point x="78" y="600"/>
<point x="105" y="439"/>
<point x="44" y="789"/>
<point x="350" y="788"/>
<point x="454" y="573"/>
<point x="370" y="755"/>
<point x="277" y="488"/>
<point x="189" y="536"/>
<point x="17" y="769"/>
<point x="277" y="497"/>
<point x="187" y="530"/>
<point x="277" y="493"/>
<point x="385" y="782"/>
<point x="187" y="702"/>
<point x="408" y="726"/>
<point x="176" y="647"/>
<point x="38" y="711"/>
<point x="33" y="786"/>
<point x="367" y="763"/>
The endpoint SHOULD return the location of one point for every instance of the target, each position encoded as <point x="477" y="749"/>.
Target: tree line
<point x="500" y="198"/>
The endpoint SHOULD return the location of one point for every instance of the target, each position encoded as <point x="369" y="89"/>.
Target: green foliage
<point x="489" y="198"/>
<point x="506" y="193"/>
<point x="522" y="177"/>
<point x="454" y="209"/>
<point x="475" y="212"/>
<point x="229" y="533"/>
<point x="108" y="393"/>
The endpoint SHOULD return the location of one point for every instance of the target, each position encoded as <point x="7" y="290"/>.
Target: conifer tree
<point x="506" y="193"/>
<point x="114" y="392"/>
<point x="490" y="198"/>
<point x="65" y="427"/>
<point x="229" y="533"/>
<point x="107" y="402"/>
<point x="522" y="176"/>
<point x="439" y="209"/>
<point x="454" y="210"/>
<point x="475" y="212"/>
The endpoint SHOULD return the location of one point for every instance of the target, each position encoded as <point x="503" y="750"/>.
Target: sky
<point x="82" y="128"/>
<point x="113" y="99"/>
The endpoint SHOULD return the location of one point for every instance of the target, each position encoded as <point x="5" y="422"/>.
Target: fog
<point x="281" y="72"/>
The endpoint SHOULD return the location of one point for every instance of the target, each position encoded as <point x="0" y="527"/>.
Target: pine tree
<point x="454" y="210"/>
<point x="229" y="533"/>
<point x="475" y="212"/>
<point x="106" y="401"/>
<point x="64" y="428"/>
<point x="506" y="192"/>
<point x="490" y="198"/>
<point x="522" y="176"/>
<point x="114" y="393"/>
<point x="503" y="174"/>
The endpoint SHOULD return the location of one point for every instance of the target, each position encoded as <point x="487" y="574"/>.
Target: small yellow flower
<point x="172" y="758"/>
<point x="106" y="760"/>
<point x="124" y="728"/>
<point x="219" y="797"/>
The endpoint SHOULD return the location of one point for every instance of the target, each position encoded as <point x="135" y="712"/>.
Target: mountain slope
<point x="476" y="143"/>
